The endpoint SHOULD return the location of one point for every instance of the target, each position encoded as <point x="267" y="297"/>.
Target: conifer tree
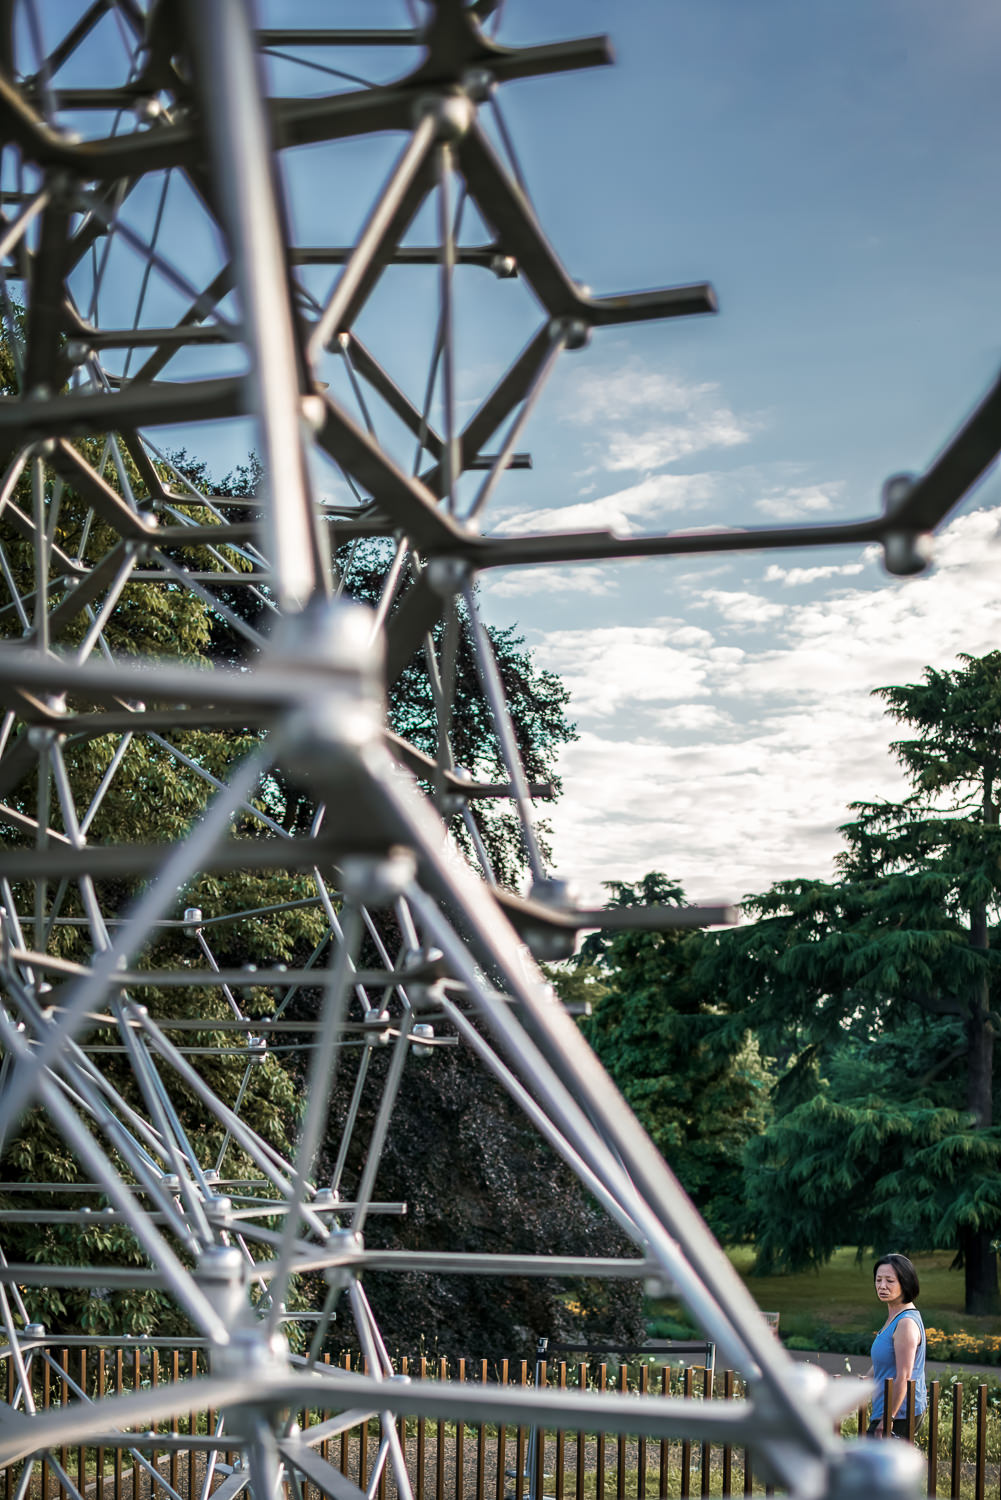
<point x="697" y="1084"/>
<point x="898" y="1143"/>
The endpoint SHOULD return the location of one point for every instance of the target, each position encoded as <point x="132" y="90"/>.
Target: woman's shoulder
<point x="908" y="1315"/>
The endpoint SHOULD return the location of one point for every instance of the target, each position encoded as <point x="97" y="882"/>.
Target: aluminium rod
<point x="380" y="1127"/>
<point x="87" y="993"/>
<point x="269" y="1161"/>
<point x="558" y="336"/>
<point x="503" y="727"/>
<point x="244" y="178"/>
<point x="381" y="1369"/>
<point x="177" y="1278"/>
<point x="396" y="206"/>
<point x="335" y="984"/>
<point x="737" y="1421"/>
<point x="168" y="1127"/>
<point x="732" y="1314"/>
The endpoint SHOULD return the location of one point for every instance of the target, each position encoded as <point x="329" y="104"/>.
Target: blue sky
<point x="831" y="167"/>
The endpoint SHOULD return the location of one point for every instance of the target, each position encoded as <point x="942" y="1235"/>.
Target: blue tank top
<point x="884" y="1365"/>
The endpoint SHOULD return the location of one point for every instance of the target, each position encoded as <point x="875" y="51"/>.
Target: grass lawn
<point x="841" y="1295"/>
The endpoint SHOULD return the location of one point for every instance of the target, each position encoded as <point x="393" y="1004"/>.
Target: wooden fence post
<point x="599" y="1479"/>
<point x="401" y="1422"/>
<point x="539" y="1476"/>
<point x="748" y="1476"/>
<point x="957" y="1436"/>
<point x="519" y="1463"/>
<point x="686" y="1444"/>
<point x="345" y="1437"/>
<point x="727" y="1447"/>
<point x="561" y="1438"/>
<point x="933" y="1394"/>
<point x="9" y="1470"/>
<point x="641" y="1446"/>
<point x="64" y="1452"/>
<point x="707" y="1394"/>
<point x="581" y="1438"/>
<point x="192" y="1429"/>
<point x="481" y="1446"/>
<point x="175" y="1426"/>
<point x="665" y="1450"/>
<point x="136" y="1385"/>
<point x="363" y="1443"/>
<point x="501" y="1441"/>
<point x="981" y="1443"/>
<point x="439" y="1452"/>
<point x="81" y="1456"/>
<point x="460" y="1446"/>
<point x="154" y="1375"/>
<point x="621" y="1457"/>
<point x="119" y="1386"/>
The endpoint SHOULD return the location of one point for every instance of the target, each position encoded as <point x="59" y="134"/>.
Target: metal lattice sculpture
<point x="130" y="129"/>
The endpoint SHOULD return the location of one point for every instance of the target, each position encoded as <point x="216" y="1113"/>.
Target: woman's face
<point x="887" y="1286"/>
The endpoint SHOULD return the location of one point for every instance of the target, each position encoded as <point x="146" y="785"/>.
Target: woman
<point x="898" y="1350"/>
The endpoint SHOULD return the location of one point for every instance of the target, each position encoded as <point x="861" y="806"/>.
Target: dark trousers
<point x="899" y="1427"/>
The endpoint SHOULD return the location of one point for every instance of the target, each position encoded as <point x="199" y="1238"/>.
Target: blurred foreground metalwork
<point x="150" y="279"/>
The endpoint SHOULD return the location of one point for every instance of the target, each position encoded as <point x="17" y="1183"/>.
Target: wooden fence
<point x="960" y="1434"/>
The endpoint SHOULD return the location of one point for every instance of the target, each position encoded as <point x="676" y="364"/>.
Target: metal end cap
<point x="906" y="553"/>
<point x="879" y="1471"/>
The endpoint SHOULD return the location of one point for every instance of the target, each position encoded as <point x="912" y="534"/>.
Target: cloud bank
<point x="724" y="742"/>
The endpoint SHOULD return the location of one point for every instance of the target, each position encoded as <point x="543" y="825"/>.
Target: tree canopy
<point x="161" y="788"/>
<point x="881" y="990"/>
<point x="697" y="1084"/>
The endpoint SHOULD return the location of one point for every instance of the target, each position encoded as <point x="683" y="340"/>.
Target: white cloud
<point x="790" y="577"/>
<point x="728" y="758"/>
<point x="740" y="608"/>
<point x="644" y="419"/>
<point x="798" y="502"/>
<point x="616" y="666"/>
<point x="597" y="396"/>
<point x="692" y="716"/>
<point x="667" y="442"/>
<point x="580" y="579"/>
<point x="654" y="496"/>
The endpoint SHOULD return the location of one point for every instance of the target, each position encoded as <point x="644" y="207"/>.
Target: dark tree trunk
<point x="980" y="1265"/>
<point x="980" y="1262"/>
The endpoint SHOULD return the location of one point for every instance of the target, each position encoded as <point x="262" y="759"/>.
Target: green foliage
<point x="476" y="1177"/>
<point x="672" y="1328"/>
<point x="696" y="1082"/>
<point x="160" y="789"/>
<point x="878" y="995"/>
<point x="537" y="700"/>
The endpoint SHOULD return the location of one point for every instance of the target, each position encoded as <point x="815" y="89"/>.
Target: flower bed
<point x="980" y="1349"/>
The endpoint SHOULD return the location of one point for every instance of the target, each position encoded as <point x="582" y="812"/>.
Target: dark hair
<point x="905" y="1273"/>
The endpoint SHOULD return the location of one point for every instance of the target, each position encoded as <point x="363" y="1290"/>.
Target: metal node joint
<point x="453" y="114"/>
<point x="378" y="880"/>
<point x="574" y="333"/>
<point x="905" y="552"/>
<point x="222" y="1274"/>
<point x="448" y="576"/>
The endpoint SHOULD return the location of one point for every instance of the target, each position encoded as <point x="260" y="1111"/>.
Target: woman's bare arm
<point x="906" y="1342"/>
